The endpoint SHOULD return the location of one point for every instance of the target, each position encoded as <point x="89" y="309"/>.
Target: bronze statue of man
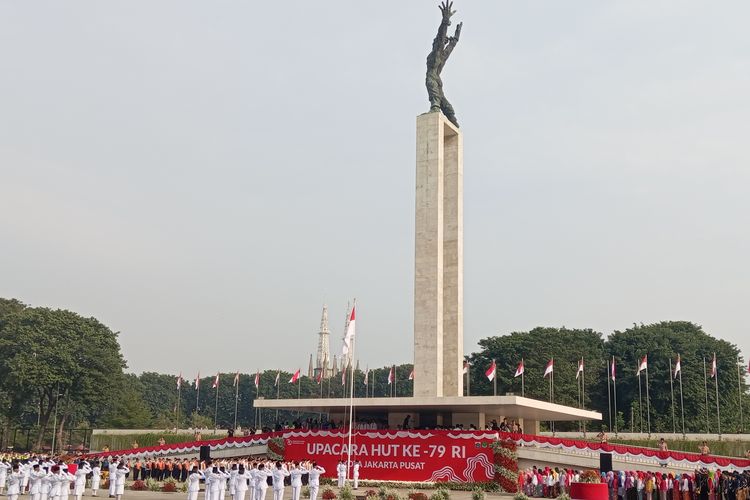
<point x="442" y="47"/>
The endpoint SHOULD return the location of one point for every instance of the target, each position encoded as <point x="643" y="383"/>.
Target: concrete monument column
<point x="438" y="273"/>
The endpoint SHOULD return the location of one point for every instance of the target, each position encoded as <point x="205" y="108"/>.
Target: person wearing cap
<point x="296" y="473"/>
<point x="35" y="482"/>
<point x="279" y="474"/>
<point x="14" y="482"/>
<point x="80" y="475"/>
<point x="261" y="484"/>
<point x="314" y="479"/>
<point x="120" y="473"/>
<point x="96" y="478"/>
<point x="112" y="469"/>
<point x="194" y="483"/>
<point x="241" y="482"/>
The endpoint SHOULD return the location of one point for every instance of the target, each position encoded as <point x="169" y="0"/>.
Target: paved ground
<point x="154" y="495"/>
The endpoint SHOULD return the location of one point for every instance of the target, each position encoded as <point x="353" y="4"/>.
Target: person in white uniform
<point x="233" y="471"/>
<point x="56" y="480"/>
<point x="80" y="484"/>
<point x="35" y="482"/>
<point x="355" y="473"/>
<point x="314" y="480"/>
<point x="279" y="474"/>
<point x="47" y="481"/>
<point x="25" y="469"/>
<point x="241" y="483"/>
<point x="223" y="483"/>
<point x="121" y="472"/>
<point x="341" y="473"/>
<point x="194" y="483"/>
<point x="212" y="481"/>
<point x="15" y="478"/>
<point x="96" y="478"/>
<point x="66" y="479"/>
<point x="112" y="477"/>
<point x="296" y="474"/>
<point x="261" y="483"/>
<point x="4" y="468"/>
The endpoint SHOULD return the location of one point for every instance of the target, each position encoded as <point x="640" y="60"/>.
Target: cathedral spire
<point x="322" y="359"/>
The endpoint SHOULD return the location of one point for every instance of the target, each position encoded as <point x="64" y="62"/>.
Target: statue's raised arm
<point x="442" y="47"/>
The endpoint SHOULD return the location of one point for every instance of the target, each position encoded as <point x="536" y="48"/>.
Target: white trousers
<point x="356" y="481"/>
<point x="36" y="496"/>
<point x="278" y="494"/>
<point x="192" y="495"/>
<point x="112" y="487"/>
<point x="222" y="494"/>
<point x="239" y="495"/>
<point x="296" y="490"/>
<point x="260" y="493"/>
<point x="341" y="480"/>
<point x="14" y="496"/>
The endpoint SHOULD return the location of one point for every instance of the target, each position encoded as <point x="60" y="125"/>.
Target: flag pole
<point x="177" y="408"/>
<point x="351" y="409"/>
<point x="278" y="386"/>
<point x="648" y="405"/>
<point x="682" y="405"/>
<point x="640" y="402"/>
<point x="705" y="386"/>
<point x="583" y="392"/>
<point x="523" y="389"/>
<point x="552" y="391"/>
<point x="614" y="391"/>
<point x="468" y="378"/>
<point x="216" y="405"/>
<point x="716" y="384"/>
<point x="197" y="392"/>
<point x="494" y="378"/>
<point x="671" y="391"/>
<point x="609" y="396"/>
<point x="395" y="382"/>
<point x="739" y="393"/>
<point x="236" y="400"/>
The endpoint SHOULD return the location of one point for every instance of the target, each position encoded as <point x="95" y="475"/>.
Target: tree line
<point x="60" y="369"/>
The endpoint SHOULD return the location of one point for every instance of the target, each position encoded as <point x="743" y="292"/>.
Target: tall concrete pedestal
<point x="439" y="272"/>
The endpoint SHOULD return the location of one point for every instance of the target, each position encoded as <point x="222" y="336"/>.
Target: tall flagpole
<point x="278" y="387"/>
<point x="682" y="405"/>
<point x="523" y="388"/>
<point x="179" y="389"/>
<point x="648" y="405"/>
<point x="705" y="385"/>
<point x="494" y="378"/>
<point x="236" y="400"/>
<point x="608" y="376"/>
<point x="716" y="384"/>
<point x="552" y="393"/>
<point x="197" y="391"/>
<point x="614" y="390"/>
<point x="216" y="405"/>
<point x="583" y="392"/>
<point x="468" y="378"/>
<point x="640" y="403"/>
<point x="739" y="393"/>
<point x="671" y="391"/>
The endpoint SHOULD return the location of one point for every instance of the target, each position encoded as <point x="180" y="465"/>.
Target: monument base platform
<point x="438" y="411"/>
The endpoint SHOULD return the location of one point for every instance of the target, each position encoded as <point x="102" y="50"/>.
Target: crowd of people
<point x="702" y="484"/>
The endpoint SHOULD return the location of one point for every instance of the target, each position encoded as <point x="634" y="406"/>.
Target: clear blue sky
<point x="203" y="176"/>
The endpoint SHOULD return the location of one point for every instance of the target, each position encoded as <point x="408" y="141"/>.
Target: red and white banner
<point x="399" y="455"/>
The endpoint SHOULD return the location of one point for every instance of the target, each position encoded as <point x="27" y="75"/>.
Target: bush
<point x="441" y="494"/>
<point x="328" y="494"/>
<point x="520" y="496"/>
<point x="153" y="485"/>
<point x="371" y="493"/>
<point x="372" y="497"/>
<point x="417" y="495"/>
<point x="382" y="492"/>
<point x="477" y="494"/>
<point x="169" y="487"/>
<point x="563" y="496"/>
<point x="138" y="486"/>
<point x="305" y="491"/>
<point x="346" y="493"/>
<point x="589" y="476"/>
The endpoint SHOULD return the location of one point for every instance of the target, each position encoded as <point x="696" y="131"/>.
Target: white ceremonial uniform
<point x="194" y="485"/>
<point x="47" y="481"/>
<point x="66" y="479"/>
<point x="212" y="484"/>
<point x="223" y="485"/>
<point x="314" y="482"/>
<point x="241" y="484"/>
<point x="80" y="485"/>
<point x="278" y="482"/>
<point x="120" y="489"/>
<point x="26" y="471"/>
<point x="35" y="482"/>
<point x="296" y="476"/>
<point x="355" y="474"/>
<point x="56" y="480"/>
<point x="233" y="481"/>
<point x="261" y="485"/>
<point x="96" y="478"/>
<point x="14" y="485"/>
<point x="341" y="474"/>
<point x="4" y="468"/>
<point x="112" y="478"/>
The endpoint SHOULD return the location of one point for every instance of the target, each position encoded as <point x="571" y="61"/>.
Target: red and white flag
<point x="216" y="382"/>
<point x="677" y="366"/>
<point x="643" y="365"/>
<point x="580" y="368"/>
<point x="367" y="375"/>
<point x="390" y="376"/>
<point x="713" y="367"/>
<point x="179" y="380"/>
<point x="276" y="382"/>
<point x="197" y="380"/>
<point x="612" y="369"/>
<point x="295" y="377"/>
<point x="491" y="371"/>
<point x="466" y="367"/>
<point x="519" y="370"/>
<point x="411" y="375"/>
<point x="343" y="377"/>
<point x="550" y="368"/>
<point x="257" y="379"/>
<point x="319" y="378"/>
<point x="349" y="336"/>
<point x="236" y="379"/>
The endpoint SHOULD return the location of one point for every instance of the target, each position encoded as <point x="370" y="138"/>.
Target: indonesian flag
<point x="713" y="367"/>
<point x="257" y="379"/>
<point x="197" y="380"/>
<point x="466" y="367"/>
<point x="295" y="377"/>
<point x="276" y="382"/>
<point x="236" y="379"/>
<point x="349" y="336"/>
<point x="343" y="377"/>
<point x="216" y="381"/>
<point x="643" y="364"/>
<point x="677" y="366"/>
<point x="580" y="368"/>
<point x="550" y="368"/>
<point x="411" y="375"/>
<point x="179" y="380"/>
<point x="367" y="375"/>
<point x="612" y="369"/>
<point x="491" y="371"/>
<point x="519" y="370"/>
<point x="390" y="376"/>
<point x="319" y="378"/>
